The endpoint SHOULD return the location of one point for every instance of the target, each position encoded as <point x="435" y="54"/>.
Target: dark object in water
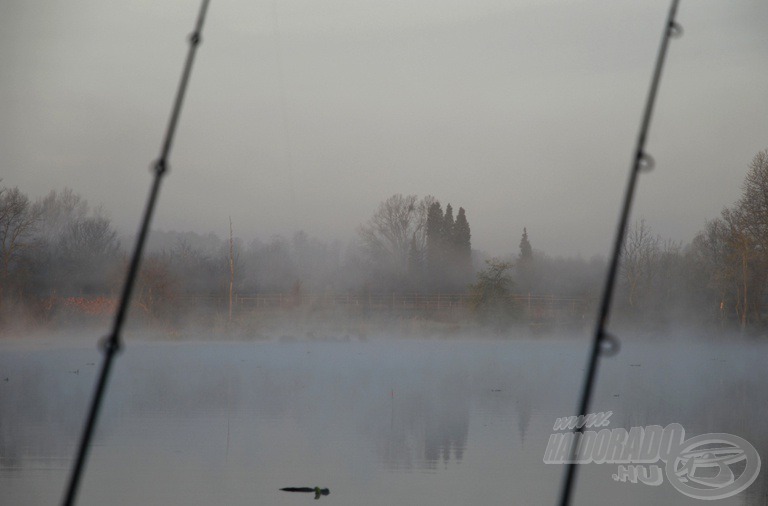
<point x="317" y="490"/>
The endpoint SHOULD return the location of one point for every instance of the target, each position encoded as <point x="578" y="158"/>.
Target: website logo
<point x="708" y="466"/>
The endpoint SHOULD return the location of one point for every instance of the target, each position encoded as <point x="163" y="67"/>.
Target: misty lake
<point x="381" y="422"/>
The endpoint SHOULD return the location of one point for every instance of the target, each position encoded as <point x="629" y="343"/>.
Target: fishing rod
<point x="603" y="342"/>
<point x="111" y="345"/>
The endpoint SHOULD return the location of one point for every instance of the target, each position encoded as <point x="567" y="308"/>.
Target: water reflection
<point x="383" y="422"/>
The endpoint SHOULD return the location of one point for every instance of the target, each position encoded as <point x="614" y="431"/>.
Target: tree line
<point x="732" y="250"/>
<point x="60" y="248"/>
<point x="719" y="278"/>
<point x="60" y="255"/>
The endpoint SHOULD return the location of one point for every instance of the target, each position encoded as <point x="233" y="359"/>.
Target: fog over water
<point x="387" y="421"/>
<point x="305" y="115"/>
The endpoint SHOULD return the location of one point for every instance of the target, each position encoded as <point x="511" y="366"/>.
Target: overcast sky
<point x="305" y="114"/>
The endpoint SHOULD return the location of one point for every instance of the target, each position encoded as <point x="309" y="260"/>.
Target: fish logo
<point x="703" y="466"/>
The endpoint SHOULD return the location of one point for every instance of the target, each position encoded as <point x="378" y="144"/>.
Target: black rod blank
<point x="112" y="342"/>
<point x="602" y="341"/>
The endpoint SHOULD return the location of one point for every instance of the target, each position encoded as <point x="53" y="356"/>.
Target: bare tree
<point x="741" y="244"/>
<point x="58" y="210"/>
<point x="18" y="219"/>
<point x="711" y="254"/>
<point x="753" y="205"/>
<point x="669" y="282"/>
<point x="639" y="261"/>
<point x="89" y="238"/>
<point x="751" y="239"/>
<point x="396" y="228"/>
<point x="86" y="254"/>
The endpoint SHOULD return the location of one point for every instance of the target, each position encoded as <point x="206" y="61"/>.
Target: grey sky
<point x="305" y="114"/>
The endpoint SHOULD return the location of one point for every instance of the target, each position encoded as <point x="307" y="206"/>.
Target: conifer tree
<point x="526" y="251"/>
<point x="462" y="248"/>
<point x="434" y="242"/>
<point x="525" y="267"/>
<point x="448" y="256"/>
<point x="448" y="226"/>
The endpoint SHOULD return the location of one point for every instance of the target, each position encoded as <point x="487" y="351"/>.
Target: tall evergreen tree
<point x="448" y="256"/>
<point x="448" y="262"/>
<point x="524" y="266"/>
<point x="462" y="247"/>
<point x="526" y="251"/>
<point x="434" y="242"/>
<point x="448" y="225"/>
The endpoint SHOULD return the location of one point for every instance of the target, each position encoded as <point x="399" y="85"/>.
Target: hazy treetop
<point x="305" y="114"/>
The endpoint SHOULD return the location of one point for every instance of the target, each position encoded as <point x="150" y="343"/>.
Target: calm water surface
<point x="383" y="422"/>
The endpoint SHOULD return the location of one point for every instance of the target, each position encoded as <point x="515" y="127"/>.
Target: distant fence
<point x="533" y="307"/>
